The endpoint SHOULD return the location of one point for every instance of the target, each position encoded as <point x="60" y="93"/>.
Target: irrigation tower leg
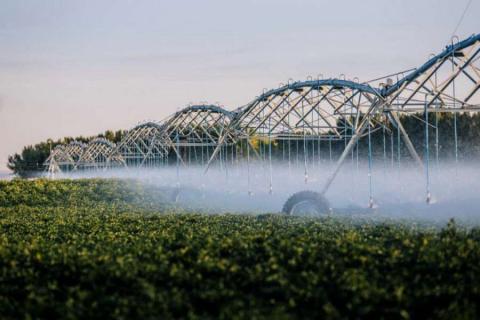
<point x="177" y="153"/>
<point x="358" y="133"/>
<point x="407" y="141"/>
<point x="340" y="161"/>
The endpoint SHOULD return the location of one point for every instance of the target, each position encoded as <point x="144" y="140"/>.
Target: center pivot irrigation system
<point x="295" y="121"/>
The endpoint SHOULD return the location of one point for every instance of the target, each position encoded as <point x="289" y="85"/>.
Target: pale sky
<point x="71" y="68"/>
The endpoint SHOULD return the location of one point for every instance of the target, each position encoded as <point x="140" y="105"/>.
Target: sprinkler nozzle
<point x="370" y="203"/>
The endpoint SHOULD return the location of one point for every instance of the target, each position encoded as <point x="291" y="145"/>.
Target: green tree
<point x="32" y="158"/>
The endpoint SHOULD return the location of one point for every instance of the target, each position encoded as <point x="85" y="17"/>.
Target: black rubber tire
<point x="316" y="199"/>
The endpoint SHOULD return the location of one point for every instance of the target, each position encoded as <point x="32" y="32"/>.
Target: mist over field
<point x="5" y="175"/>
<point x="398" y="192"/>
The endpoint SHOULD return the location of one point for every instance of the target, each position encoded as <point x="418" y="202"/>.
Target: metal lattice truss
<point x="100" y="153"/>
<point x="57" y="156"/>
<point x="144" y="145"/>
<point x="65" y="157"/>
<point x="449" y="81"/>
<point x="320" y="108"/>
<point x="198" y="125"/>
<point x="75" y="150"/>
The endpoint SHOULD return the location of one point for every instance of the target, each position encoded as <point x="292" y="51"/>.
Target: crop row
<point x="106" y="260"/>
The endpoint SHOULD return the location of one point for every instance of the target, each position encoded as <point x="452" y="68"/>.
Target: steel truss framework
<point x="65" y="157"/>
<point x="198" y="125"/>
<point x="100" y="153"/>
<point x="75" y="150"/>
<point x="57" y="156"/>
<point x="326" y="108"/>
<point x="143" y="146"/>
<point x="448" y="82"/>
<point x="315" y="109"/>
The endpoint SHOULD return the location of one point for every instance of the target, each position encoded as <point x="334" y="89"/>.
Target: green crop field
<point x="112" y="249"/>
